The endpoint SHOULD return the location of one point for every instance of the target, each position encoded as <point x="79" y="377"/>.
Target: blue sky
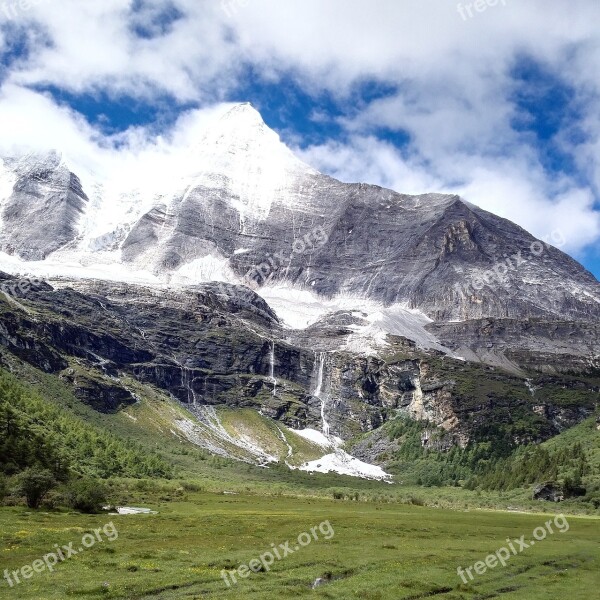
<point x="417" y="95"/>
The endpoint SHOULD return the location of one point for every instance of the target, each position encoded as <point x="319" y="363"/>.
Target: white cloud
<point x="367" y="159"/>
<point x="95" y="48"/>
<point x="512" y="191"/>
<point x="30" y="120"/>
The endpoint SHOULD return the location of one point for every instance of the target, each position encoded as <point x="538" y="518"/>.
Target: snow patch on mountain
<point x="7" y="182"/>
<point x="319" y="438"/>
<point x="207" y="268"/>
<point x="338" y="460"/>
<point x="341" y="462"/>
<point x="299" y="309"/>
<point x="56" y="268"/>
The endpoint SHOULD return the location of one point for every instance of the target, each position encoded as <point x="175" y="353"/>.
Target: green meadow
<point x="377" y="551"/>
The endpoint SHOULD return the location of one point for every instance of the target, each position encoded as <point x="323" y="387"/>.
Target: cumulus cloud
<point x="140" y="48"/>
<point x="368" y="159"/>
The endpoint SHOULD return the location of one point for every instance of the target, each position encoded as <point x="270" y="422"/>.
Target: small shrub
<point x="34" y="484"/>
<point x="86" y="495"/>
<point x="188" y="486"/>
<point x="52" y="500"/>
<point x="143" y="485"/>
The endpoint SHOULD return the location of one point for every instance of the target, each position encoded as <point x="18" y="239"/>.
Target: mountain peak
<point x="244" y="111"/>
<point x="242" y="148"/>
<point x="21" y="163"/>
<point x="243" y="119"/>
<point x="241" y="128"/>
<point x="239" y="153"/>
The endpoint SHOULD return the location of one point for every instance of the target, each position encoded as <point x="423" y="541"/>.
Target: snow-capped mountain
<point x="242" y="208"/>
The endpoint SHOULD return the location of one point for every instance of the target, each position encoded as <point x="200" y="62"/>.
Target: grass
<point x="249" y="424"/>
<point x="379" y="551"/>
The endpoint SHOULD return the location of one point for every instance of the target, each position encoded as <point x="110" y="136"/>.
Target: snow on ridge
<point x="318" y="438"/>
<point x="55" y="268"/>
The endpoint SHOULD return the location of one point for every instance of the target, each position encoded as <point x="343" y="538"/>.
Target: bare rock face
<point x="449" y="259"/>
<point x="98" y="392"/>
<point x="220" y="345"/>
<point x="41" y="214"/>
<point x="519" y="345"/>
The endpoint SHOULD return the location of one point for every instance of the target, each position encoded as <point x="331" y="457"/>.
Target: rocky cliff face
<point x="42" y="211"/>
<point x="222" y="346"/>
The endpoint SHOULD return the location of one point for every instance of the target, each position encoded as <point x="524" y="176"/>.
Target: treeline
<point x="434" y="468"/>
<point x="37" y="433"/>
<point x="534" y="464"/>
<point x="496" y="464"/>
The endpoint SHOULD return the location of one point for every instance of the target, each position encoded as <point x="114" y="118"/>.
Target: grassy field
<point x="378" y="551"/>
